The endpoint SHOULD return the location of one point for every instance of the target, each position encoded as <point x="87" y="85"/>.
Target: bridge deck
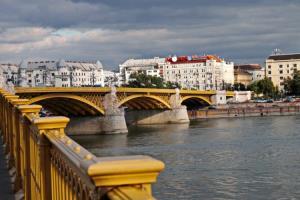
<point x="106" y="90"/>
<point x="5" y="184"/>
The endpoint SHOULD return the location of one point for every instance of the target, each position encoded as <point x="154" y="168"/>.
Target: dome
<point x="99" y="64"/>
<point x="23" y="64"/>
<point x="61" y="63"/>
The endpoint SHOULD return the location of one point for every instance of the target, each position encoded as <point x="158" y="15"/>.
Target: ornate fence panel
<point x="46" y="164"/>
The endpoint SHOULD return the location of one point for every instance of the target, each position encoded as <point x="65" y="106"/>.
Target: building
<point x="198" y="72"/>
<point x="282" y="66"/>
<point x="242" y="76"/>
<point x="191" y="72"/>
<point x="248" y="73"/>
<point x="60" y="74"/>
<point x="111" y="78"/>
<point x="9" y="72"/>
<point x="145" y="66"/>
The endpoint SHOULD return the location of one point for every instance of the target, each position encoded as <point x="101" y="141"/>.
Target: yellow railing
<point x="42" y="90"/>
<point x="46" y="164"/>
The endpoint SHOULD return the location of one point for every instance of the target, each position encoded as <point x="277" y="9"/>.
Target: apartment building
<point x="282" y="66"/>
<point x="192" y="72"/>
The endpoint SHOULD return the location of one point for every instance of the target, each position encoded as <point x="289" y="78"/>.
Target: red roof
<point x="193" y="59"/>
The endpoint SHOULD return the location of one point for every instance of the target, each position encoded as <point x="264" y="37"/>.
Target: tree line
<point x="146" y="81"/>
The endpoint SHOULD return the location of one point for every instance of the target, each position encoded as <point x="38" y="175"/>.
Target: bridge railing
<point x="46" y="164"/>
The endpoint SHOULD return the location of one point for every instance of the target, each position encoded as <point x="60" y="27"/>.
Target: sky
<point x="112" y="31"/>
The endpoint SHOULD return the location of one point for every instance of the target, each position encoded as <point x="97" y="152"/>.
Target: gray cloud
<point x="112" y="31"/>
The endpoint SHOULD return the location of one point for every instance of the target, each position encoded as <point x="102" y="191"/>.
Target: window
<point x="287" y="65"/>
<point x="52" y="74"/>
<point x="280" y="66"/>
<point x="280" y="72"/>
<point x="269" y="66"/>
<point x="281" y="78"/>
<point x="295" y="65"/>
<point x="288" y="71"/>
<point x="269" y="72"/>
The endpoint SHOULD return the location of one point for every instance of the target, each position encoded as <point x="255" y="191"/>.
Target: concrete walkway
<point x="5" y="184"/>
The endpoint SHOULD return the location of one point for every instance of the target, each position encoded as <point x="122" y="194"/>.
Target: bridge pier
<point x="147" y="117"/>
<point x="114" y="123"/>
<point x="108" y="124"/>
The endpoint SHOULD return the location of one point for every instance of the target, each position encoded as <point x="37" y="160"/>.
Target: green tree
<point x="239" y="87"/>
<point x="264" y="86"/>
<point x="254" y="88"/>
<point x="292" y="86"/>
<point x="288" y="84"/>
<point x="140" y="80"/>
<point x="171" y="85"/>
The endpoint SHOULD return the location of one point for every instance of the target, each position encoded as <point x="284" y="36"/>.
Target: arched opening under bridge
<point x="67" y="105"/>
<point x="144" y="102"/>
<point x="195" y="102"/>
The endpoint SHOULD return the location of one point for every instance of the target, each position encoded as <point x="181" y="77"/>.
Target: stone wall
<point x="244" y="112"/>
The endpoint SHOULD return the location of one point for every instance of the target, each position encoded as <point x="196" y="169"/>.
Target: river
<point x="240" y="158"/>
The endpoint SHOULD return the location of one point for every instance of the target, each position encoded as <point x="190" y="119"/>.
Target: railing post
<point x="16" y="135"/>
<point x="43" y="125"/>
<point x="25" y="140"/>
<point x="8" y="129"/>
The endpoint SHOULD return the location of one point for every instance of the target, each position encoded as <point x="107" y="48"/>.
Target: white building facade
<point x="60" y="74"/>
<point x="145" y="66"/>
<point x="111" y="78"/>
<point x="191" y="72"/>
<point x="10" y="73"/>
<point x="282" y="66"/>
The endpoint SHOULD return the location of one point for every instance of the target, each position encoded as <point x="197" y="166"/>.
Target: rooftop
<point x="52" y="65"/>
<point x="192" y="59"/>
<point x="171" y="59"/>
<point x="284" y="56"/>
<point x="247" y="67"/>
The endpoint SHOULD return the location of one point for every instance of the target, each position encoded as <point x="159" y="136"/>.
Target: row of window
<point x="281" y="71"/>
<point x="281" y="66"/>
<point x="196" y="72"/>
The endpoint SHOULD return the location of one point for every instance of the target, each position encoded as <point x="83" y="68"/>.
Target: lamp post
<point x="93" y="77"/>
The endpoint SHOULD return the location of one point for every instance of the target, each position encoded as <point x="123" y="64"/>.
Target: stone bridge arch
<point x="67" y="104"/>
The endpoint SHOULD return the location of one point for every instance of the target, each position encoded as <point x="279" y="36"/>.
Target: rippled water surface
<point x="246" y="158"/>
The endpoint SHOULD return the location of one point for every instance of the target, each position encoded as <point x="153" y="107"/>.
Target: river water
<point x="241" y="158"/>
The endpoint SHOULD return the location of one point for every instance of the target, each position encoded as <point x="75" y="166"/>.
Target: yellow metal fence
<point x="46" y="164"/>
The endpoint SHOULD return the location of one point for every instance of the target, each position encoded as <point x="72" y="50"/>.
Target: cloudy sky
<point x="243" y="31"/>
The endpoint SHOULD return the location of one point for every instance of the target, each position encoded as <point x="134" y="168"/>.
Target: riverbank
<point x="246" y="110"/>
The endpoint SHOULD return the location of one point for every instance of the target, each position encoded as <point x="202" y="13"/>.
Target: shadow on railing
<point x="46" y="164"/>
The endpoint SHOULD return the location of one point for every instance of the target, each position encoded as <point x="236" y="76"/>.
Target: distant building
<point x="10" y="72"/>
<point x="242" y="76"/>
<point x="198" y="72"/>
<point x="243" y="73"/>
<point x="111" y="78"/>
<point x="282" y="66"/>
<point x="146" y="66"/>
<point x="60" y="74"/>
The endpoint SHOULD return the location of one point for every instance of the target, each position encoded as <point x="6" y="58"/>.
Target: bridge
<point x="143" y="105"/>
<point x="83" y="101"/>
<point x="44" y="163"/>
